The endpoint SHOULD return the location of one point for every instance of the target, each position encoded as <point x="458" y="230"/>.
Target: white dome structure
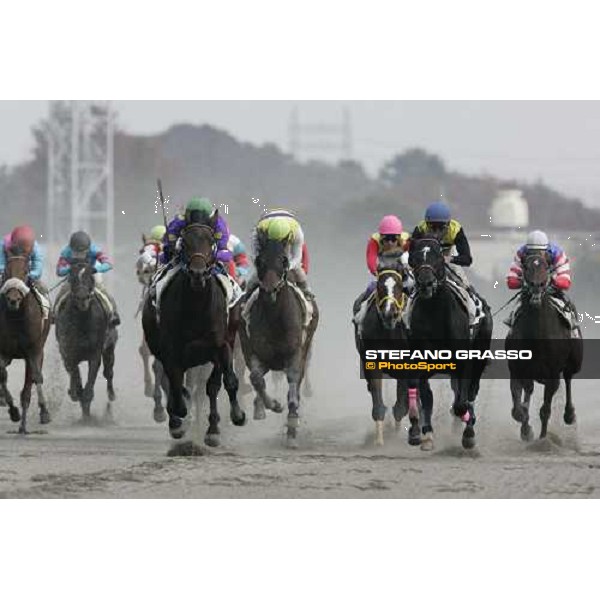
<point x="509" y="210"/>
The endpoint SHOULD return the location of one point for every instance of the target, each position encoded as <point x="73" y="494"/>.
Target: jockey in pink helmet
<point x="389" y="239"/>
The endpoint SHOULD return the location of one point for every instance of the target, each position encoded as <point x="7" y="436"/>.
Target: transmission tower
<point x="333" y="139"/>
<point x="80" y="171"/>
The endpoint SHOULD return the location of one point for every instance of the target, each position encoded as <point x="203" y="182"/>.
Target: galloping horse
<point x="439" y="320"/>
<point x="539" y="327"/>
<point x="84" y="334"/>
<point x="146" y="267"/>
<point x="383" y="321"/>
<point x="23" y="333"/>
<point x="193" y="327"/>
<point x="274" y="335"/>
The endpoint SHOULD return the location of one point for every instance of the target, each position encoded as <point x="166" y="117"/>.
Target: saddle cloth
<point x="104" y="302"/>
<point x="307" y="308"/>
<point x="233" y="292"/>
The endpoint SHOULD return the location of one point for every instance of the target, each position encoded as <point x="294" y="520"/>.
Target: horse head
<point x="389" y="293"/>
<point x="146" y="264"/>
<point x="15" y="288"/>
<point x="82" y="283"/>
<point x="428" y="264"/>
<point x="198" y="249"/>
<point x="536" y="277"/>
<point x="272" y="267"/>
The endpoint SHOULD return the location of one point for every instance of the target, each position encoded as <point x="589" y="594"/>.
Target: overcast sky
<point x="557" y="141"/>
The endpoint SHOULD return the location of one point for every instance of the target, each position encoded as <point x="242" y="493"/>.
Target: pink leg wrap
<point x="466" y="417"/>
<point x="413" y="409"/>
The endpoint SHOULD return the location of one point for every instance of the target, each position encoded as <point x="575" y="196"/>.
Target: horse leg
<point x="240" y="367"/>
<point x="75" y="385"/>
<point x="88" y="391"/>
<point x="550" y="387"/>
<point x="307" y="389"/>
<point x="213" y="385"/>
<point x="400" y="409"/>
<point x="176" y="407"/>
<point x="26" y="395"/>
<point x="293" y="400"/>
<point x="230" y="381"/>
<point x="262" y="400"/>
<point x="38" y="380"/>
<point x="468" y="417"/>
<point x="520" y="412"/>
<point x="108" y="364"/>
<point x="375" y="387"/>
<point x="13" y="411"/>
<point x="159" y="412"/>
<point x="569" y="415"/>
<point x="145" y="354"/>
<point x="426" y="396"/>
<point x="411" y="391"/>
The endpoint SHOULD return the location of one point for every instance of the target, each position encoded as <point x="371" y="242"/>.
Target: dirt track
<point x="336" y="457"/>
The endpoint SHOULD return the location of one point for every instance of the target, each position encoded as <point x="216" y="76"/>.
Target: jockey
<point x="155" y="238"/>
<point x="390" y="239"/>
<point x="560" y="281"/>
<point x="195" y="208"/>
<point x="439" y="224"/>
<point x="22" y="239"/>
<point x="81" y="247"/>
<point x="239" y="267"/>
<point x="281" y="225"/>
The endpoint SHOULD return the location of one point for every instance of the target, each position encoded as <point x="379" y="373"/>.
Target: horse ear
<point x="214" y="218"/>
<point x="144" y="239"/>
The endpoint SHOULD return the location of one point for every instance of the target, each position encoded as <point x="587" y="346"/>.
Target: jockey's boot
<point x="305" y="289"/>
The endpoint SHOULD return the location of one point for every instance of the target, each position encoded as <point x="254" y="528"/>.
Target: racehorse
<point x="23" y="332"/>
<point x="146" y="267"/>
<point x="274" y="334"/>
<point x="383" y="321"/>
<point x="193" y="326"/>
<point x="440" y="320"/>
<point x="538" y="326"/>
<point x="84" y="334"/>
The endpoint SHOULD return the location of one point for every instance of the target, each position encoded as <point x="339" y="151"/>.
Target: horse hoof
<point x="259" y="413"/>
<point x="159" y="414"/>
<point x="111" y="395"/>
<point x="517" y="414"/>
<point x="212" y="439"/>
<point x="15" y="415"/>
<point x="468" y="439"/>
<point x="44" y="417"/>
<point x="526" y="432"/>
<point x="427" y="442"/>
<point x="414" y="438"/>
<point x="238" y="418"/>
<point x="177" y="427"/>
<point x="569" y="417"/>
<point x="277" y="407"/>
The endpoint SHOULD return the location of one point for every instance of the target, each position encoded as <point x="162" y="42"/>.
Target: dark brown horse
<point x="85" y="334"/>
<point x="23" y="334"/>
<point x="540" y="328"/>
<point x="193" y="328"/>
<point x="274" y="337"/>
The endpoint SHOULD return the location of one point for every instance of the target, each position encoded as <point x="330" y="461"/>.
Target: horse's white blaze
<point x="390" y="284"/>
<point x="425" y="250"/>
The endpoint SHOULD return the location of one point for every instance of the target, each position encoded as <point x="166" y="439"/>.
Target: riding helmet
<point x="80" y="241"/>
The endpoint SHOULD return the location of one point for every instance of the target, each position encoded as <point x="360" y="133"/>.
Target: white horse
<point x="146" y="267"/>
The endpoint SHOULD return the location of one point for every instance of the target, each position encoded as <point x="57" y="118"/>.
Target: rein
<point x="400" y="304"/>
